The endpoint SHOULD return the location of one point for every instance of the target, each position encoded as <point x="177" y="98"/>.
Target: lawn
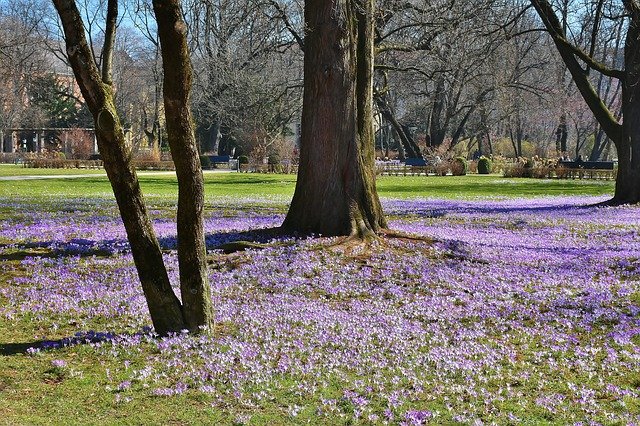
<point x="509" y="310"/>
<point x="19" y="170"/>
<point x="237" y="185"/>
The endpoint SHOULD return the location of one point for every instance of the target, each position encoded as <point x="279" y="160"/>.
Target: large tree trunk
<point x="335" y="192"/>
<point x="164" y="306"/>
<point x="194" y="283"/>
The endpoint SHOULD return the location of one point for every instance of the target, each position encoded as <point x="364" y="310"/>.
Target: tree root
<point x="236" y="246"/>
<point x="358" y="248"/>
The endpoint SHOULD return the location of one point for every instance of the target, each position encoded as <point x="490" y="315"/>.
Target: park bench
<point x="586" y="170"/>
<point x="220" y="160"/>
<point x="416" y="166"/>
<point x="411" y="166"/>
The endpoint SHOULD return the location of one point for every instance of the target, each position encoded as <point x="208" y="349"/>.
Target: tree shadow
<point x="80" y="338"/>
<point x="57" y="249"/>
<point x="79" y="247"/>
<point x="222" y="240"/>
<point x="441" y="208"/>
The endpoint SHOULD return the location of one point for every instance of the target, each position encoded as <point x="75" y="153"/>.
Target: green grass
<point x="474" y="186"/>
<point x="31" y="392"/>
<point x="255" y="185"/>
<point x="18" y="170"/>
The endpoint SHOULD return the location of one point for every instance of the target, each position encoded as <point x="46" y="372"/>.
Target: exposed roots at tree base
<point x="613" y="203"/>
<point x="351" y="251"/>
<point x="359" y="248"/>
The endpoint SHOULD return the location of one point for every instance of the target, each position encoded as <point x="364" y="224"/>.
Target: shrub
<point x="147" y="155"/>
<point x="484" y="165"/>
<point x="459" y="166"/>
<point x="542" y="172"/>
<point x="529" y="163"/>
<point x="243" y="159"/>
<point x="516" y="170"/>
<point x="274" y="163"/>
<point x="528" y="168"/>
<point x="562" y="172"/>
<point x="274" y="159"/>
<point x="472" y="166"/>
<point x="205" y="162"/>
<point x="442" y="168"/>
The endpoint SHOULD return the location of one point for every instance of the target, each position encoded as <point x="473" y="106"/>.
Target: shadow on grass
<point x="440" y="208"/>
<point x="80" y="338"/>
<point x="105" y="248"/>
<point x="221" y="240"/>
<point x="58" y="249"/>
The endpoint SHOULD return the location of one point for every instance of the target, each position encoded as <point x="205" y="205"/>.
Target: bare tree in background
<point x="247" y="71"/>
<point x="22" y="57"/>
<point x="625" y="133"/>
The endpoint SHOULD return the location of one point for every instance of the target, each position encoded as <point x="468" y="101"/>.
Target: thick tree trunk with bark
<point x="335" y="192"/>
<point x="164" y="306"/>
<point x="194" y="283"/>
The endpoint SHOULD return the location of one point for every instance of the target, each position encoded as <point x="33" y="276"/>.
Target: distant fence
<point x="600" y="170"/>
<point x="402" y="169"/>
<point x="55" y="163"/>
<point x="269" y="168"/>
<point x="604" y="170"/>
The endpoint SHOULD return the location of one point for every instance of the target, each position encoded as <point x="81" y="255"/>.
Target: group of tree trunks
<point x="335" y="193"/>
<point x="168" y="314"/>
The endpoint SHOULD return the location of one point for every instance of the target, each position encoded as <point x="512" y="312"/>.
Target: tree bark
<point x="164" y="306"/>
<point x="194" y="283"/>
<point x="335" y="191"/>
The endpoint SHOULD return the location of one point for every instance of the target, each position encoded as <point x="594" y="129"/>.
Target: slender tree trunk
<point x="214" y="140"/>
<point x="514" y="144"/>
<point x="437" y="130"/>
<point x="455" y="138"/>
<point x="335" y="192"/>
<point x="599" y="143"/>
<point x="409" y="145"/>
<point x="562" y="134"/>
<point x="164" y="306"/>
<point x="194" y="283"/>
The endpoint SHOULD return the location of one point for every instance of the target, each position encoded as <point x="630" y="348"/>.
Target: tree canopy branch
<point x="568" y="53"/>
